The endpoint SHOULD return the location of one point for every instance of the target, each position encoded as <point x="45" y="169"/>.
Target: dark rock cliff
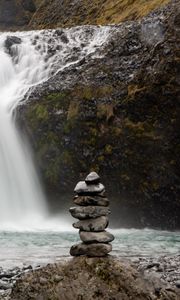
<point x="15" y="13"/>
<point x="118" y="115"/>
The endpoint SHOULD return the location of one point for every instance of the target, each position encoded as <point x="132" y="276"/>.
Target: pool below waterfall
<point x="42" y="247"/>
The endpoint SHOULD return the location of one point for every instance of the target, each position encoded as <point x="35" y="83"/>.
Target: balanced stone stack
<point x="92" y="212"/>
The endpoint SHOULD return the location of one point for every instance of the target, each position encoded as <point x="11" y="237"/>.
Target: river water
<point x="43" y="246"/>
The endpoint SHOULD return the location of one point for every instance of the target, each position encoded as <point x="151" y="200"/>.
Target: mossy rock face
<point x="122" y="121"/>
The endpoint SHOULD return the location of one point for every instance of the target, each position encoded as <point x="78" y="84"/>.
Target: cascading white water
<point x="21" y="197"/>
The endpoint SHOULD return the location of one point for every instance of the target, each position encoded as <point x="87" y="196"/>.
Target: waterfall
<point x="21" y="197"/>
<point x="33" y="59"/>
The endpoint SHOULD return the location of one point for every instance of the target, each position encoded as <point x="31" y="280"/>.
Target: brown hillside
<point x="53" y="13"/>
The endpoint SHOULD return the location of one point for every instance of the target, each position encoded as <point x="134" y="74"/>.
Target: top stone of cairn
<point x="92" y="178"/>
<point x="91" y="185"/>
<point x="82" y="188"/>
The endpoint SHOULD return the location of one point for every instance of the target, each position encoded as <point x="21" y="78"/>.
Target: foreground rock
<point x="162" y="271"/>
<point x="166" y="268"/>
<point x="90" y="278"/>
<point x="8" y="279"/>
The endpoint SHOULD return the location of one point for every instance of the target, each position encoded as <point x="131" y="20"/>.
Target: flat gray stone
<point x="93" y="177"/>
<point x="98" y="224"/>
<point x="91" y="200"/>
<point x="96" y="237"/>
<point x="83" y="188"/>
<point x="89" y="212"/>
<point x="92" y="250"/>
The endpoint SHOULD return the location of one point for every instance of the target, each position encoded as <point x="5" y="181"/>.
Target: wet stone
<point x="93" y="177"/>
<point x="5" y="285"/>
<point x="89" y="212"/>
<point x="91" y="200"/>
<point x="10" y="41"/>
<point x="83" y="188"/>
<point x="94" y="225"/>
<point x="96" y="237"/>
<point x="93" y="250"/>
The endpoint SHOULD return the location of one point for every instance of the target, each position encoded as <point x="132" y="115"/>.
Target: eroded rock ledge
<point x="90" y="278"/>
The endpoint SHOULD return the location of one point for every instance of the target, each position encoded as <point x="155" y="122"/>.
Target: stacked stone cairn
<point x="92" y="212"/>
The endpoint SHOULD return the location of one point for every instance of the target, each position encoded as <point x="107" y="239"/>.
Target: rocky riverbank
<point x="95" y="277"/>
<point x="156" y="278"/>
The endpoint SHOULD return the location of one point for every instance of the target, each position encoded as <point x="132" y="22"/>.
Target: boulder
<point x="91" y="200"/>
<point x="93" y="250"/>
<point x="29" y="5"/>
<point x="93" y="177"/>
<point x="83" y="188"/>
<point x="4" y="285"/>
<point x="96" y="237"/>
<point x="89" y="212"/>
<point x="10" y="41"/>
<point x="98" y="224"/>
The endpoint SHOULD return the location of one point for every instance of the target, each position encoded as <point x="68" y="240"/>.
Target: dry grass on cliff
<point x="101" y="12"/>
<point x="120" y="10"/>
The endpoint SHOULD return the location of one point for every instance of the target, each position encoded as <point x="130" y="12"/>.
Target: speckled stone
<point x="91" y="200"/>
<point x="89" y="212"/>
<point x="83" y="188"/>
<point x="93" y="250"/>
<point x="96" y="237"/>
<point x="93" y="177"/>
<point x="94" y="225"/>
